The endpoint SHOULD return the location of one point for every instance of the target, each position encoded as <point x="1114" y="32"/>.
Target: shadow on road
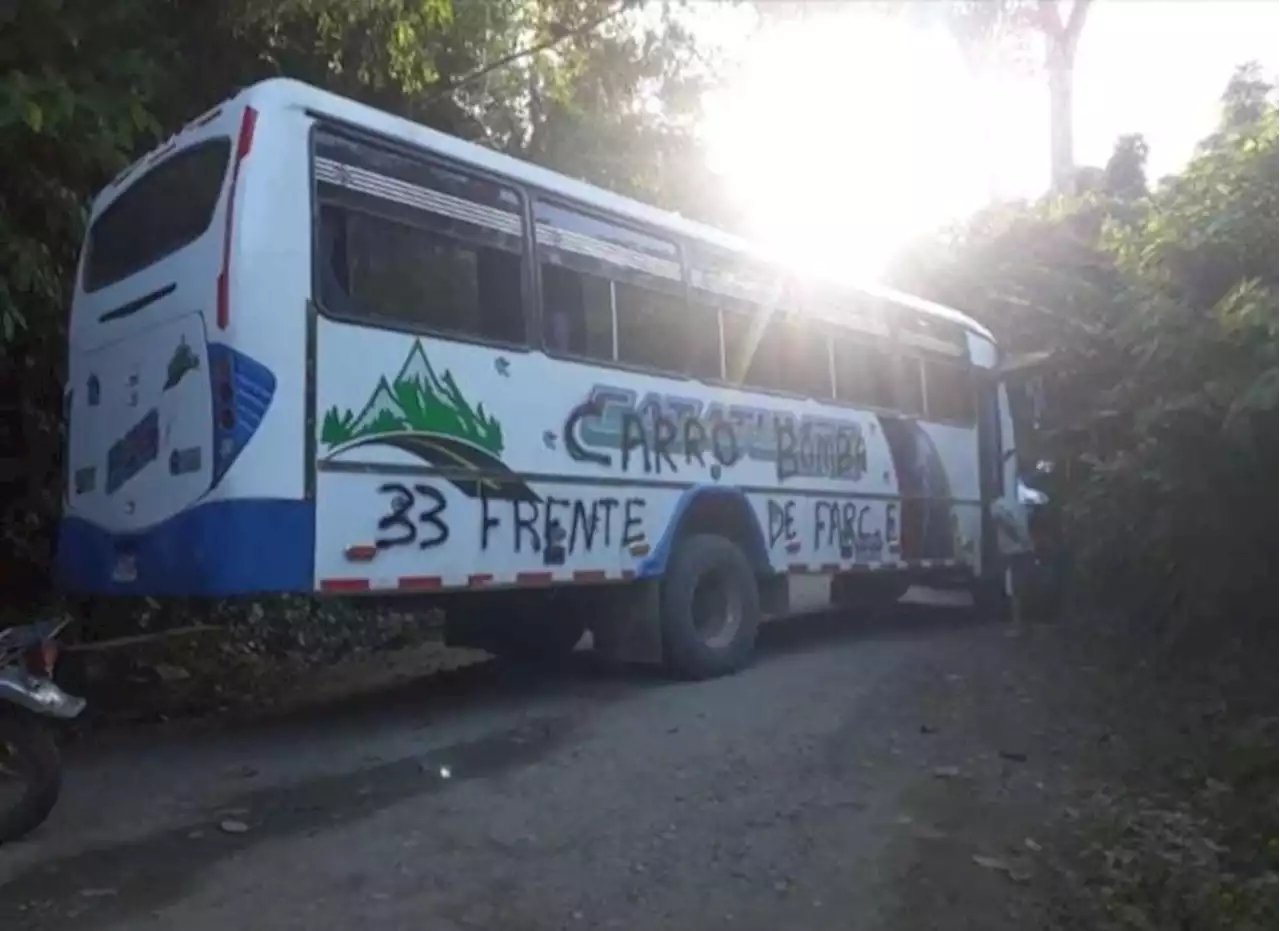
<point x="905" y="621"/>
<point x="123" y="880"/>
<point x="120" y="881"/>
<point x="495" y="685"/>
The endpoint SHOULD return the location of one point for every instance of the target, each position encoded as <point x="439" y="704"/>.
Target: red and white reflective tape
<point x="430" y="583"/>
<point x="829" y="568"/>
<point x="537" y="579"/>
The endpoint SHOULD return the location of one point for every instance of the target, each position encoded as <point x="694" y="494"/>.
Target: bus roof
<point x="289" y="93"/>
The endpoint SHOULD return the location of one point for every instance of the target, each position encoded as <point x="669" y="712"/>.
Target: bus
<point x="316" y="348"/>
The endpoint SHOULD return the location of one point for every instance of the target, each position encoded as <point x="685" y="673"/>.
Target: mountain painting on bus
<point x="426" y="415"/>
<point x="417" y="400"/>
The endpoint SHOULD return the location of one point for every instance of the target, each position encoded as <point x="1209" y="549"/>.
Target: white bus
<point x="318" y="348"/>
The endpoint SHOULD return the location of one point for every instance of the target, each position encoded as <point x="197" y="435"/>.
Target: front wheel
<point x="710" y="608"/>
<point x="30" y="775"/>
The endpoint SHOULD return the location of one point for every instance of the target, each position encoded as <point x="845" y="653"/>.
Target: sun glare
<point x="845" y="133"/>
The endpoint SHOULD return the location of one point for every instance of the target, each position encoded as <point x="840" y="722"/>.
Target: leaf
<point x="34" y="116"/>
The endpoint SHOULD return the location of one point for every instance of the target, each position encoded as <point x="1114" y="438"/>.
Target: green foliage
<point x="600" y="89"/>
<point x="1161" y="306"/>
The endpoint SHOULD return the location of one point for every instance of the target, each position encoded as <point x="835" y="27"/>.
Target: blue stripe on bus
<point x="237" y="547"/>
<point x="756" y="551"/>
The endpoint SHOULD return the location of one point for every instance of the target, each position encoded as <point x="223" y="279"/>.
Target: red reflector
<point x="244" y="142"/>
<point x="248" y="120"/>
<point x="361" y="552"/>
<point x="41" y="659"/>
<point x="224" y="313"/>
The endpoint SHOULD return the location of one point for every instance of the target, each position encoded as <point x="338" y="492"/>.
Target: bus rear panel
<point x="185" y="392"/>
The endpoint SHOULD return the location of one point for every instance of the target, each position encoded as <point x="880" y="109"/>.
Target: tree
<point x="589" y="87"/>
<point x="1125" y="176"/>
<point x="1061" y="38"/>
<point x="1161" y="307"/>
<point x="997" y="34"/>
<point x="1246" y="101"/>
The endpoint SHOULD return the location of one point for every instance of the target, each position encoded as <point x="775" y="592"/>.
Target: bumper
<point x="220" y="548"/>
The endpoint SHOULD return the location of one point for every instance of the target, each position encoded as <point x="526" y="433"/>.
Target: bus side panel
<point x="448" y="464"/>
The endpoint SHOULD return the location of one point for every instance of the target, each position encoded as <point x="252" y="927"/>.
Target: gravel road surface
<point x="858" y="776"/>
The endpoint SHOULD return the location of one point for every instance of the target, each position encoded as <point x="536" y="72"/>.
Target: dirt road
<point x="857" y="776"/>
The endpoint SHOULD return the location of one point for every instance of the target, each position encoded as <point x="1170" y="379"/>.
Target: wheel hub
<point x="717" y="610"/>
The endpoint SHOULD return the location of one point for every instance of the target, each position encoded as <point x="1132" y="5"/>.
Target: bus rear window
<point x="167" y="208"/>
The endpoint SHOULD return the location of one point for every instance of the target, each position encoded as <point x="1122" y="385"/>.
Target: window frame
<point x="615" y="273"/>
<point x="698" y="255"/>
<point x="429" y="159"/>
<point x="894" y="344"/>
<point x="788" y="316"/>
<point x="181" y="155"/>
<point x="888" y="352"/>
<point x="543" y="343"/>
<point x="924" y="335"/>
<point x="901" y="359"/>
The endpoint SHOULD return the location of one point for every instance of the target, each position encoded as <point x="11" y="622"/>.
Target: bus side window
<point x="616" y="293"/>
<point x="864" y="372"/>
<point x="577" y="312"/>
<point x="410" y="246"/>
<point x="910" y="387"/>
<point x="768" y="349"/>
<point x="657" y="330"/>
<point x="949" y="392"/>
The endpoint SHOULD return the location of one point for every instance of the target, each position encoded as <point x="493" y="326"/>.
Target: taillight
<point x="41" y="659"/>
<point x="244" y="143"/>
<point x="224" y="392"/>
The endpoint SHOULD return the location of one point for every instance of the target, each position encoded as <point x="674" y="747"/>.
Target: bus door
<point x="1004" y="520"/>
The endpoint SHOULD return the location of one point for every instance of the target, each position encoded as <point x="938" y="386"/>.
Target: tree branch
<point x="1075" y="22"/>
<point x="1062" y="35"/>
<point x="558" y="35"/>
<point x="1050" y="21"/>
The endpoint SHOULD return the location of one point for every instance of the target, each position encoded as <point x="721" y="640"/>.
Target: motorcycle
<point x="29" y="699"/>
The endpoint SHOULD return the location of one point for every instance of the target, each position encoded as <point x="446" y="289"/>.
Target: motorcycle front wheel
<point x="30" y="775"/>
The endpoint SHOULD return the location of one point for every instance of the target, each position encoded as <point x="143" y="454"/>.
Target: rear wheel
<point x="30" y="775"/>
<point x="710" y="608"/>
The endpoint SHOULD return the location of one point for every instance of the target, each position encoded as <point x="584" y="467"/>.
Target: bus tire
<point x="709" y="608"/>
